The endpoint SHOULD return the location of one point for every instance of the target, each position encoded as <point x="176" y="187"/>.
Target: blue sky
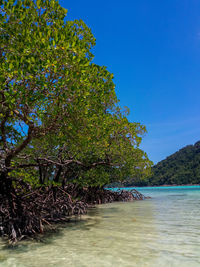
<point x="153" y="49"/>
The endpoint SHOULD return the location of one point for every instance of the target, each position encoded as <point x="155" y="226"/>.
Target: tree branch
<point x="67" y="162"/>
<point x="17" y="150"/>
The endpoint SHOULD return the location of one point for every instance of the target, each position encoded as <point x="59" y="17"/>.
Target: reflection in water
<point x="163" y="231"/>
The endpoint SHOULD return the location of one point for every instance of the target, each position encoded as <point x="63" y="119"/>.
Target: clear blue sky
<point x="153" y="49"/>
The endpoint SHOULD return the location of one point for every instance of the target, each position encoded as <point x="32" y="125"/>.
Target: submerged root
<point x="37" y="210"/>
<point x="96" y="195"/>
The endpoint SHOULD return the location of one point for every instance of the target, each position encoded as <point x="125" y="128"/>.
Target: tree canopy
<point x="60" y="119"/>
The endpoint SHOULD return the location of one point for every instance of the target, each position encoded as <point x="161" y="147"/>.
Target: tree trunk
<point x="8" y="191"/>
<point x="57" y="176"/>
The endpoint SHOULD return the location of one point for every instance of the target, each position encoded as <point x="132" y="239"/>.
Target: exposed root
<point x="36" y="210"/>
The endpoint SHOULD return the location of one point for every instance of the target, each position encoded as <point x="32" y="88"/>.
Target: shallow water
<point x="162" y="231"/>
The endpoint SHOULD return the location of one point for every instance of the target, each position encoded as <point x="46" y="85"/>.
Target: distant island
<point x="180" y="168"/>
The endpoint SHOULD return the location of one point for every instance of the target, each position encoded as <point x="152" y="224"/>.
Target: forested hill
<point x="182" y="167"/>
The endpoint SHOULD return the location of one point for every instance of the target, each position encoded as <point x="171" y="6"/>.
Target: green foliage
<point x="59" y="114"/>
<point x="183" y="167"/>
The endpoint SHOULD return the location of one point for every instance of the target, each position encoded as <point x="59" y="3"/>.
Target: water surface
<point x="162" y="231"/>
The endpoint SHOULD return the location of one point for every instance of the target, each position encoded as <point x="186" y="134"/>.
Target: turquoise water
<point x="162" y="231"/>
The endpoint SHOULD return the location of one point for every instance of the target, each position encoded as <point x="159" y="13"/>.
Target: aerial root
<point x="37" y="209"/>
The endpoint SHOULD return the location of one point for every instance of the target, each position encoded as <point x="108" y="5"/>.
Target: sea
<point x="161" y="231"/>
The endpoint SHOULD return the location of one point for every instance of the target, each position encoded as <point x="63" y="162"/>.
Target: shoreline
<point x="166" y="185"/>
<point x="150" y="186"/>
